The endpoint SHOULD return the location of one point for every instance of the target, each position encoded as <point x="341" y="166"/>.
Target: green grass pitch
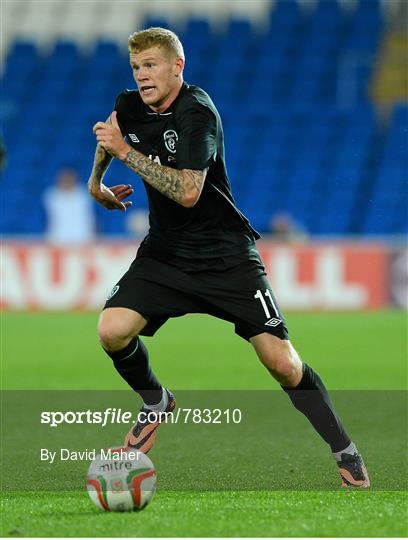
<point x="351" y="351"/>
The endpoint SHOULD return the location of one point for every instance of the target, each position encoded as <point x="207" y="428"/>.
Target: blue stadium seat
<point x="285" y="14"/>
<point x="327" y="11"/>
<point x="197" y="29"/>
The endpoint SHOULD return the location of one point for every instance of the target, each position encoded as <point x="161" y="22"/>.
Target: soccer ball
<point x="121" y="480"/>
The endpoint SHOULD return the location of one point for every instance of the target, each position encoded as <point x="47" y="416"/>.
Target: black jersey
<point x="188" y="135"/>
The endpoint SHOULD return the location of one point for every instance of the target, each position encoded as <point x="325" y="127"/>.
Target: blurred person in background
<point x="284" y="228"/>
<point x="69" y="210"/>
<point x="137" y="223"/>
<point x="200" y="254"/>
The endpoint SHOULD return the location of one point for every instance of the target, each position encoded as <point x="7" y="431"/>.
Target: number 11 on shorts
<point x="259" y="296"/>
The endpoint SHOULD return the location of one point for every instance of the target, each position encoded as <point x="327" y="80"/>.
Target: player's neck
<point x="169" y="100"/>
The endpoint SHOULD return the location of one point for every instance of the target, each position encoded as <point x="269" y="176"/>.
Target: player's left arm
<point x="182" y="186"/>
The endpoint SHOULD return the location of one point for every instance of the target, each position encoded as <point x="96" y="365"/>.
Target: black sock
<point x="132" y="363"/>
<point x="310" y="397"/>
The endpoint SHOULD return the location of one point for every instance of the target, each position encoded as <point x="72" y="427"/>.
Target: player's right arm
<point x="111" y="198"/>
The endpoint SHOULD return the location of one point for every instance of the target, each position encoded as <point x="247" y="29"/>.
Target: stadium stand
<point x="303" y="134"/>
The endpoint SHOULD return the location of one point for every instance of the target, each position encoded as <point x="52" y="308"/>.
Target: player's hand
<point x="110" y="137"/>
<point x="111" y="198"/>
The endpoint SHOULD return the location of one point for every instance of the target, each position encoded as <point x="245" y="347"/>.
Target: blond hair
<point x="156" y="37"/>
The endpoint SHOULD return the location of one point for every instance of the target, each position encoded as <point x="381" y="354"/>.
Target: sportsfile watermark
<point x="111" y="415"/>
<point x="213" y="441"/>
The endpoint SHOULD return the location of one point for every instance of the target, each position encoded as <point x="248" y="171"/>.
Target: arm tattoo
<point x="172" y="183"/>
<point x="101" y="163"/>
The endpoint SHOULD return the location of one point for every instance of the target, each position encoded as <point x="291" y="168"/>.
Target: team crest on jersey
<point x="113" y="291"/>
<point x="170" y="140"/>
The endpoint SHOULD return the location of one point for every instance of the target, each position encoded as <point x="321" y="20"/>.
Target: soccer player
<point x="200" y="254"/>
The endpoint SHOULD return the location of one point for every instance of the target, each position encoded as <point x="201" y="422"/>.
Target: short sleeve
<point x="197" y="137"/>
<point x="119" y="107"/>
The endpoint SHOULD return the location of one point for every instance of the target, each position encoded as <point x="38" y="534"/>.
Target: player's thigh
<point x="152" y="290"/>
<point x="119" y="323"/>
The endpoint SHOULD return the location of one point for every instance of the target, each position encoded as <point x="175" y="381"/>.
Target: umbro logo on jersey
<point x="113" y="292"/>
<point x="273" y="322"/>
<point x="133" y="137"/>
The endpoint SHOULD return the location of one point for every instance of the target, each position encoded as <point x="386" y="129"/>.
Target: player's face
<point x="157" y="75"/>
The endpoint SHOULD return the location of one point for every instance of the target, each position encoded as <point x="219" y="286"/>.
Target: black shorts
<point x="240" y="295"/>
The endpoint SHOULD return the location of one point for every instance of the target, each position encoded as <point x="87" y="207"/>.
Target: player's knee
<point x="285" y="371"/>
<point x="114" y="332"/>
<point x="286" y="367"/>
<point x="279" y="357"/>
